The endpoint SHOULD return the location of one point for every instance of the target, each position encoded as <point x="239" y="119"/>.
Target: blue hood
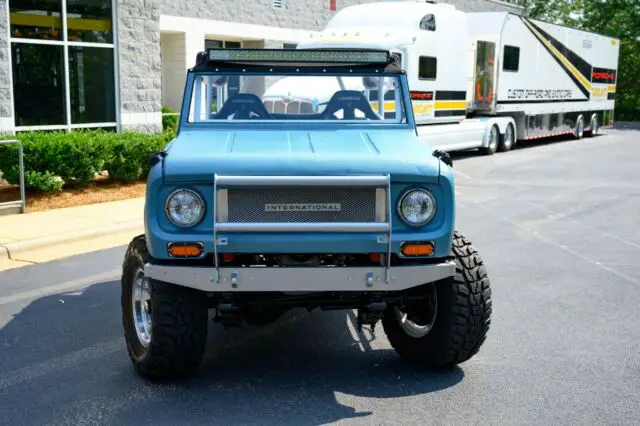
<point x="197" y="155"/>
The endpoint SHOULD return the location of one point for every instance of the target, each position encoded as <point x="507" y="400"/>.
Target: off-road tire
<point x="462" y="320"/>
<point x="179" y="323"/>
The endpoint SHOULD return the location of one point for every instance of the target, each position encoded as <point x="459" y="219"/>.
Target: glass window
<point x="220" y="44"/>
<point x="37" y="19"/>
<point x="213" y="44"/>
<point x="90" y="71"/>
<point x="428" y="23"/>
<point x="89" y="21"/>
<point x="38" y="84"/>
<point x="428" y="68"/>
<point x="232" y="45"/>
<point x="40" y="77"/>
<point x="320" y="98"/>
<point x="511" y="58"/>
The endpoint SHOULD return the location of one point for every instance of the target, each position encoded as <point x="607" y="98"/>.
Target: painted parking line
<point x="461" y="174"/>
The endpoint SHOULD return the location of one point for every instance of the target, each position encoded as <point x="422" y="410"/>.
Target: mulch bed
<point x="101" y="191"/>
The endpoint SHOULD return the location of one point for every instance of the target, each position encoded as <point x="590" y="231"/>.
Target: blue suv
<point x="258" y="206"/>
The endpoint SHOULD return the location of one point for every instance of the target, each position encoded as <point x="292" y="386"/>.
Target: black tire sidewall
<point x="429" y="346"/>
<point x="462" y="318"/>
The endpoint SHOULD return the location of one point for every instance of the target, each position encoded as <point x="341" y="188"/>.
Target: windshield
<point x="316" y="98"/>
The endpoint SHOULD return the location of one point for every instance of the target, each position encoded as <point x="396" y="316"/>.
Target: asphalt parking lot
<point x="558" y="225"/>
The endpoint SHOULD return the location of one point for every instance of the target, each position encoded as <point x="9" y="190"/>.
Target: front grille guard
<point x="377" y="181"/>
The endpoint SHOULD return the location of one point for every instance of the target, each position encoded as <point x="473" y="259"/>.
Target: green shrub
<point x="130" y="153"/>
<point x="169" y="122"/>
<point x="45" y="182"/>
<point x="53" y="159"/>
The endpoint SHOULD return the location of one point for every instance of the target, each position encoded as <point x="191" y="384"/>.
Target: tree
<point x="614" y="18"/>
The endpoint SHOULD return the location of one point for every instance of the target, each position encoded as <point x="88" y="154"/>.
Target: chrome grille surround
<point x="356" y="204"/>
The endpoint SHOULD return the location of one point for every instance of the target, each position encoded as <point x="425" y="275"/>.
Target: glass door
<point x="485" y="76"/>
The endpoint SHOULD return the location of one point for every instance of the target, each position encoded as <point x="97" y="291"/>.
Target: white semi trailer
<point x="478" y="80"/>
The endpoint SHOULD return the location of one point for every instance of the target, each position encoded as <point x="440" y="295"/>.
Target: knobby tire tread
<point x="463" y="317"/>
<point x="179" y="328"/>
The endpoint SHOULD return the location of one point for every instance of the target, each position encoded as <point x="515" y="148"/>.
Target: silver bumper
<point x="293" y="279"/>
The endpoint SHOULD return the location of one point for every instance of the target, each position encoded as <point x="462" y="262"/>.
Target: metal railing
<point x="23" y="198"/>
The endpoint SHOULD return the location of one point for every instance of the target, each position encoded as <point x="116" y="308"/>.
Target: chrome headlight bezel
<point x="402" y="199"/>
<point x="199" y="200"/>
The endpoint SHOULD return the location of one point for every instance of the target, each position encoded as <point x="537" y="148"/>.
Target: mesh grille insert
<point x="307" y="205"/>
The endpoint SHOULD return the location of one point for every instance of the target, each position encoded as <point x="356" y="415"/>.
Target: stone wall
<point x="6" y="99"/>
<point x="140" y="64"/>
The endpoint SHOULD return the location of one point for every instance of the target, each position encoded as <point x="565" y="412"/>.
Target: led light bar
<point x="299" y="55"/>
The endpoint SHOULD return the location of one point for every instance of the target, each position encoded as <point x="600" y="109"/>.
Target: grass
<point x="101" y="191"/>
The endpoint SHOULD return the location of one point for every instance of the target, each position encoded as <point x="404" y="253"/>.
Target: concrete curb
<point x="14" y="250"/>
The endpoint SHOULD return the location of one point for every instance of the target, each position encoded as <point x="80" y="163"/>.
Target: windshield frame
<point x="403" y="98"/>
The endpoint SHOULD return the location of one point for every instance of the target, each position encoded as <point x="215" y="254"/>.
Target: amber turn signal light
<point x="185" y="249"/>
<point x="417" y="249"/>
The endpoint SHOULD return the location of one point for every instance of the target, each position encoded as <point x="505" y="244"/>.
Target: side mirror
<point x="444" y="157"/>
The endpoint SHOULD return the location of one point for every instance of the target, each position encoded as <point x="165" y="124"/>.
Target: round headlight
<point x="417" y="207"/>
<point x="185" y="208"/>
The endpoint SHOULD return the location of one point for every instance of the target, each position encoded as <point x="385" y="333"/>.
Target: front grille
<point x="282" y="205"/>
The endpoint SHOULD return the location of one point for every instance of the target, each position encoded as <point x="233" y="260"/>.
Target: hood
<point x="197" y="155"/>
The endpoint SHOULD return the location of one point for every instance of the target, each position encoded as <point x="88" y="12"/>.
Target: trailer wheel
<point x="494" y="138"/>
<point x="594" y="126"/>
<point x="579" y="130"/>
<point x="506" y="140"/>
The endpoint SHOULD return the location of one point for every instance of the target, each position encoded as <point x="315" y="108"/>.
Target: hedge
<point x="55" y="159"/>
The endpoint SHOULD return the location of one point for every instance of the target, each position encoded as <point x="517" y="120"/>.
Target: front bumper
<point x="300" y="279"/>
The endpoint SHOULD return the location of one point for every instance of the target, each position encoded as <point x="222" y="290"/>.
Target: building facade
<point x="113" y="64"/>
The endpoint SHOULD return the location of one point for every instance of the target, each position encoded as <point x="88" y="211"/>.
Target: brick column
<point x="140" y="69"/>
<point x="7" y="121"/>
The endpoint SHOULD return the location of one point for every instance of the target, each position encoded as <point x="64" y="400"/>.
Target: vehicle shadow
<point x="63" y="357"/>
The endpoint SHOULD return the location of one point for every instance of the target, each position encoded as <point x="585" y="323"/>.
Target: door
<point x="485" y="76"/>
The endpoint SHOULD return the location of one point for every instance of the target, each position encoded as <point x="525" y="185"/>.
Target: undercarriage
<point x="438" y="324"/>
<point x="261" y="308"/>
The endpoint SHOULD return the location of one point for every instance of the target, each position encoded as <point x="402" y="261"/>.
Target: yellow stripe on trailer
<point x="389" y="106"/>
<point x="560" y="56"/>
<point x="450" y="105"/>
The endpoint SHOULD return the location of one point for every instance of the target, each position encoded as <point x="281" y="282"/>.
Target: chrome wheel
<point x="419" y="323"/>
<point x="506" y="142"/>
<point x="594" y="126"/>
<point x="493" y="141"/>
<point x="141" y="304"/>
<point x="508" y="137"/>
<point x="580" y="128"/>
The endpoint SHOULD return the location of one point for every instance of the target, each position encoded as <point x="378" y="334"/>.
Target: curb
<point x="13" y="250"/>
